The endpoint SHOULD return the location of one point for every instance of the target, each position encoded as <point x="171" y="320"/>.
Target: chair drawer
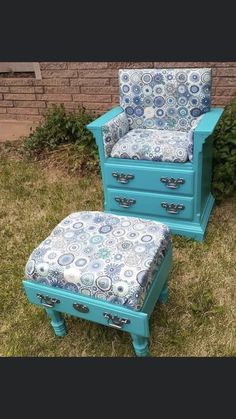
<point x="144" y="203"/>
<point x="153" y="179"/>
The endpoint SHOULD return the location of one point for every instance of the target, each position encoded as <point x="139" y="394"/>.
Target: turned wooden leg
<point x="57" y="322"/>
<point x="140" y="345"/>
<point x="163" y="298"/>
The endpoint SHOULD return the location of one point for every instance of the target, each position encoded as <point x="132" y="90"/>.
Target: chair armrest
<point x="206" y="125"/>
<point x="203" y="131"/>
<point x="108" y="129"/>
<point x="103" y="119"/>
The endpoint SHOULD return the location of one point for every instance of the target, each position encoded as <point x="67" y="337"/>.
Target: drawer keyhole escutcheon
<point x="81" y="308"/>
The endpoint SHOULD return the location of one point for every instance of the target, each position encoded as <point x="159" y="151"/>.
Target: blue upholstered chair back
<point x="165" y="98"/>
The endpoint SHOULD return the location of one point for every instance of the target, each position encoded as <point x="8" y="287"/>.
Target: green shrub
<point x="224" y="154"/>
<point x="61" y="127"/>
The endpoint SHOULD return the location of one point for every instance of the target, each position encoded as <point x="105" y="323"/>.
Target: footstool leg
<point x="163" y="298"/>
<point x="140" y="345"/>
<point x="57" y="322"/>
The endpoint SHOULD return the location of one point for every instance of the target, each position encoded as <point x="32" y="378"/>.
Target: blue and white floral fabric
<point x="153" y="144"/>
<point x="165" y="98"/>
<point x="157" y="145"/>
<point x="113" y="130"/>
<point x="108" y="257"/>
<point x="191" y="137"/>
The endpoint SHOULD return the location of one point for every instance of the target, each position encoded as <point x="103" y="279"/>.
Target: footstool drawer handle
<point x="172" y="208"/>
<point x="47" y="301"/>
<point x="115" y="321"/>
<point x="125" y="202"/>
<point x="122" y="178"/>
<point x="171" y="182"/>
<point x="81" y="307"/>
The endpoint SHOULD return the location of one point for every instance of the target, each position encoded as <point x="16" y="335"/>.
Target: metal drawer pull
<point x="172" y="183"/>
<point x="81" y="307"/>
<point x="125" y="202"/>
<point x="172" y="208"/>
<point x="122" y="178"/>
<point x="47" y="301"/>
<point x="115" y="321"/>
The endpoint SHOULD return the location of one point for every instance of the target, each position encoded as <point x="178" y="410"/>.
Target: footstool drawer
<point x="78" y="306"/>
<point x="136" y="202"/>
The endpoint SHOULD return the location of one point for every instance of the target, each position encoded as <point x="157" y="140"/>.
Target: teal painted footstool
<point x="104" y="268"/>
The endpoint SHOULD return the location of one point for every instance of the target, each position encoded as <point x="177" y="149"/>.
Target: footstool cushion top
<point x="98" y="254"/>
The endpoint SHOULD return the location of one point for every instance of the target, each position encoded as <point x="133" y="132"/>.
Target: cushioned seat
<point x="108" y="257"/>
<point x="153" y="144"/>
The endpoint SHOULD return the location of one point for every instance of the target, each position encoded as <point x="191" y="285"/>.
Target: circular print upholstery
<point x="160" y="98"/>
<point x="102" y="255"/>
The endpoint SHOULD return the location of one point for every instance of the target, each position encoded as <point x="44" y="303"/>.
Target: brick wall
<point x="92" y="84"/>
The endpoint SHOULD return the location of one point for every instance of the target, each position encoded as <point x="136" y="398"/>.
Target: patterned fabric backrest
<point x="165" y="98"/>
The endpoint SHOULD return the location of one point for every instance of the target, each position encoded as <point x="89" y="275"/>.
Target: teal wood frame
<point x="195" y="194"/>
<point x="138" y="325"/>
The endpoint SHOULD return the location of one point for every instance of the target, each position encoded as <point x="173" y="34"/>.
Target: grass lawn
<point x="199" y="319"/>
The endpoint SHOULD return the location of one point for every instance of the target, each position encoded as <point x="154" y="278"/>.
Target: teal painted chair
<point x="156" y="148"/>
<point x="104" y="268"/>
